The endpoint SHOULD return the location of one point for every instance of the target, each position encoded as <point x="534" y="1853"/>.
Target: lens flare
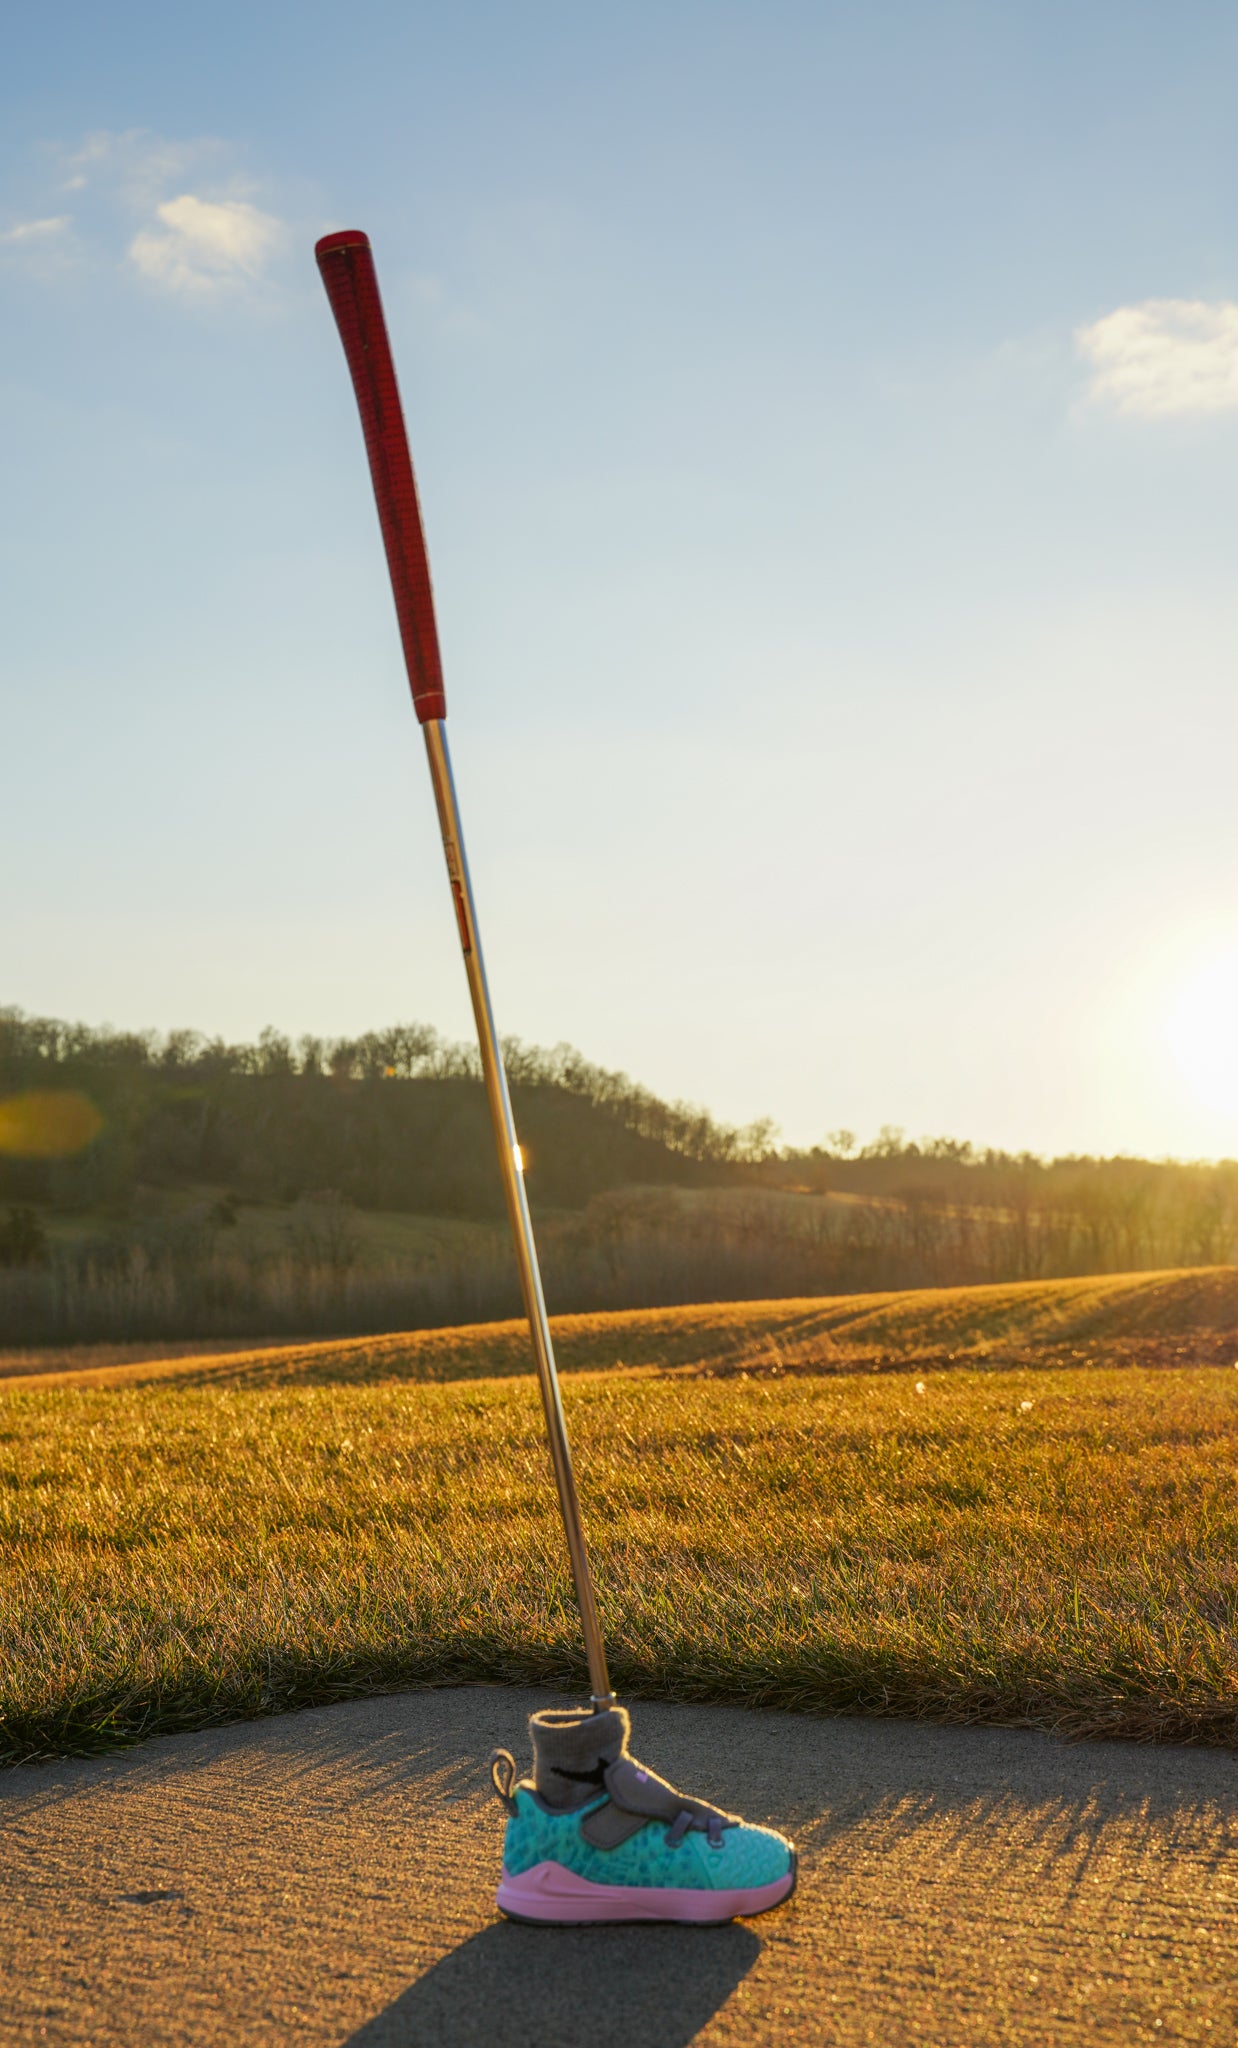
<point x="47" y="1123"/>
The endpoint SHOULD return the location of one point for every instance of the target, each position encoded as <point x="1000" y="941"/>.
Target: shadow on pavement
<point x="541" y="1987"/>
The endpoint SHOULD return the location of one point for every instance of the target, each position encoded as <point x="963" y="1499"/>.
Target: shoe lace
<point x="678" y="1828"/>
<point x="684" y="1822"/>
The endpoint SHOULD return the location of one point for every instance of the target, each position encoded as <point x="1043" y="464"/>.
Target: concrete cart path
<point x="327" y="1878"/>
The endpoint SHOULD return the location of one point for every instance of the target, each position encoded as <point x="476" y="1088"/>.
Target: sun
<point x="1202" y="1032"/>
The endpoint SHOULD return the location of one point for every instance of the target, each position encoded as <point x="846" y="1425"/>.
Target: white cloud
<point x="136" y="163"/>
<point x="204" y="245"/>
<point x="36" y="230"/>
<point x="1165" y="356"/>
<point x="179" y="215"/>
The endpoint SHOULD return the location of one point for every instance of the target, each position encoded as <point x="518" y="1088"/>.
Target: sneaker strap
<point x="640" y="1791"/>
<point x="503" y="1778"/>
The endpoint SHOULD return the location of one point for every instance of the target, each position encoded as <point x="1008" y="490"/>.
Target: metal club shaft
<point x="346" y="263"/>
<point x="512" y="1172"/>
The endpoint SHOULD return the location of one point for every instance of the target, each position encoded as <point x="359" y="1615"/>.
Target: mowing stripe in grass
<point x="1178" y="1317"/>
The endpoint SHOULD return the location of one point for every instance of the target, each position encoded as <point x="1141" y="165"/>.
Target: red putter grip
<point x="348" y="273"/>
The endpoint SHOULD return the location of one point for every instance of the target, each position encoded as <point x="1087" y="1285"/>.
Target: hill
<point x="177" y="1187"/>
<point x="395" y="1120"/>
<point x="1150" y="1319"/>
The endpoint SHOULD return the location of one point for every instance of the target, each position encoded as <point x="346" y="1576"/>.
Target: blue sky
<point x="825" y="419"/>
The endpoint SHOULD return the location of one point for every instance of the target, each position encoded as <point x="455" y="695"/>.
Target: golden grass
<point x="1054" y="1548"/>
<point x="1181" y="1316"/>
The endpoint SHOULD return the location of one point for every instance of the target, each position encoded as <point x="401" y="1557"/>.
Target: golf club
<point x="347" y="266"/>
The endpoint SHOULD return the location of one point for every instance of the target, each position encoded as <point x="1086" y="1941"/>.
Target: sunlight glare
<point x="1202" y="1031"/>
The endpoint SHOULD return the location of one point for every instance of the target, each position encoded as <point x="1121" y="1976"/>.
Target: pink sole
<point x="549" y="1892"/>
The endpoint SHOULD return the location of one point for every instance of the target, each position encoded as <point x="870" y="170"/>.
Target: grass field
<point x="1145" y="1318"/>
<point x="1033" y="1536"/>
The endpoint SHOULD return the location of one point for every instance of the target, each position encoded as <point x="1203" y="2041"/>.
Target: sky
<point x="826" y="422"/>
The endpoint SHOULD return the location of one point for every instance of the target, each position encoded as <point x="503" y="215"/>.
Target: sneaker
<point x="596" y="1836"/>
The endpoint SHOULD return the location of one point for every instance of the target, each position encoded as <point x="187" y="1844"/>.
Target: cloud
<point x="136" y="163"/>
<point x="177" y="215"/>
<point x="1165" y="357"/>
<point x="204" y="245"/>
<point x="36" y="230"/>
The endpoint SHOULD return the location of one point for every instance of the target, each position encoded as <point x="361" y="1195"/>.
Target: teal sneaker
<point x="596" y="1836"/>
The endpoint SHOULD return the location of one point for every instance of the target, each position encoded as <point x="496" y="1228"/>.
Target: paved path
<point x="326" y="1879"/>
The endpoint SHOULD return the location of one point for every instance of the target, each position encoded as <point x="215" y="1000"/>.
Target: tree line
<point x="393" y="1119"/>
<point x="397" y="1120"/>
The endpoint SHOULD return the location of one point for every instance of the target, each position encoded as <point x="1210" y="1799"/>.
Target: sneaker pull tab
<point x="503" y="1777"/>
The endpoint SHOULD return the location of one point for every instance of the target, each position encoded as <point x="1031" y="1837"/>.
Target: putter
<point x="347" y="265"/>
<point x="593" y="1835"/>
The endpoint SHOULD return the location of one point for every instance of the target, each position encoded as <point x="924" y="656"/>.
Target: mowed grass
<point x="1053" y="1547"/>
<point x="1161" y="1318"/>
